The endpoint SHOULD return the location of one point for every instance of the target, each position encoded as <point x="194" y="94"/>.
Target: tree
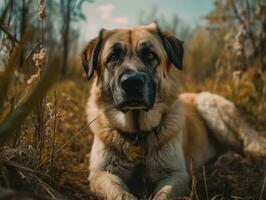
<point x="71" y="12"/>
<point x="175" y="26"/>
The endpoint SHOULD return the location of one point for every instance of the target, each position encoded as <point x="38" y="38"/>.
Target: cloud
<point x="120" y="20"/>
<point x="102" y="16"/>
<point x="105" y="10"/>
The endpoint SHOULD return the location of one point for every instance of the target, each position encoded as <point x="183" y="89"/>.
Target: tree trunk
<point x="23" y="24"/>
<point x="65" y="37"/>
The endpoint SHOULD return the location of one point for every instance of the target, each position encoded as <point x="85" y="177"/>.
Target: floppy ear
<point x="173" y="47"/>
<point x="90" y="55"/>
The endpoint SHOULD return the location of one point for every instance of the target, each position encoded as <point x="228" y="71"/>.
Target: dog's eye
<point x="114" y="58"/>
<point x="150" y="55"/>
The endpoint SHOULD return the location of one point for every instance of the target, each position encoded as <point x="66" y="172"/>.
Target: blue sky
<point x="123" y="13"/>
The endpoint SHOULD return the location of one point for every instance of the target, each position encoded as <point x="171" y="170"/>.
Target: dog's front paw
<point x="161" y="196"/>
<point x="126" y="196"/>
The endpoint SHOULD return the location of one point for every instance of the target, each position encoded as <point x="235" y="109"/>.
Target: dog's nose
<point x="132" y="81"/>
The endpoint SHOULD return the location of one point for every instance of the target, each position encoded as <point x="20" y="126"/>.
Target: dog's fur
<point x="173" y="133"/>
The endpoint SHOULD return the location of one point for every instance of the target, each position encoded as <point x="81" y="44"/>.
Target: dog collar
<point x="136" y="140"/>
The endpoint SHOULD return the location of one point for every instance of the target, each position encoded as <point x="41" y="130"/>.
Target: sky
<point x="124" y="13"/>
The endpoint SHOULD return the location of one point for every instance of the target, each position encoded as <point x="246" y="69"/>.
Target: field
<point x="28" y="169"/>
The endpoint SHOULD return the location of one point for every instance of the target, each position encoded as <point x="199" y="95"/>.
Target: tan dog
<point x="146" y="134"/>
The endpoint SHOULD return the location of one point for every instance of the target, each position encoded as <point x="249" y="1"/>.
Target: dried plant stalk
<point x="16" y="118"/>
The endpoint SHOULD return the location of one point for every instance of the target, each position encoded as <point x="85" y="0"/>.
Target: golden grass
<point x="231" y="176"/>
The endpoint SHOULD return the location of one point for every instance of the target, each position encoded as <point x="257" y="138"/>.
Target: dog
<point x="146" y="133"/>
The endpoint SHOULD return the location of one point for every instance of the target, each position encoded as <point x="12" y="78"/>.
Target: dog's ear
<point x="173" y="47"/>
<point x="90" y="55"/>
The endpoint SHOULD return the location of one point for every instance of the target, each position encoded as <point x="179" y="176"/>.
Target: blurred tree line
<point x="57" y="31"/>
<point x="174" y="25"/>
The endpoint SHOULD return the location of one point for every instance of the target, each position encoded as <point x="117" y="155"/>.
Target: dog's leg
<point x="103" y="181"/>
<point x="228" y="127"/>
<point x="172" y="186"/>
<point x="109" y="186"/>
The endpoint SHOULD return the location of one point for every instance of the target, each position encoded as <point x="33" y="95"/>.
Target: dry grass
<point x="52" y="174"/>
<point x="27" y="169"/>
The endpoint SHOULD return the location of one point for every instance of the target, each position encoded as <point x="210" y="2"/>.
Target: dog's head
<point x="131" y="64"/>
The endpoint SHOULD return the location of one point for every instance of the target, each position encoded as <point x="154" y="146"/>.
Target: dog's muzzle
<point x="138" y="91"/>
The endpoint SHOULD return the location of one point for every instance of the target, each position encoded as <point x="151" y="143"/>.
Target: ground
<point x="231" y="176"/>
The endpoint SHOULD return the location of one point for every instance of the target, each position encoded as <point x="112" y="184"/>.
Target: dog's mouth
<point x="134" y="104"/>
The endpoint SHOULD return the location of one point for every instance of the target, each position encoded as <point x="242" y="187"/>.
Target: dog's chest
<point x="142" y="169"/>
<point x="143" y="174"/>
<point x="139" y="181"/>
